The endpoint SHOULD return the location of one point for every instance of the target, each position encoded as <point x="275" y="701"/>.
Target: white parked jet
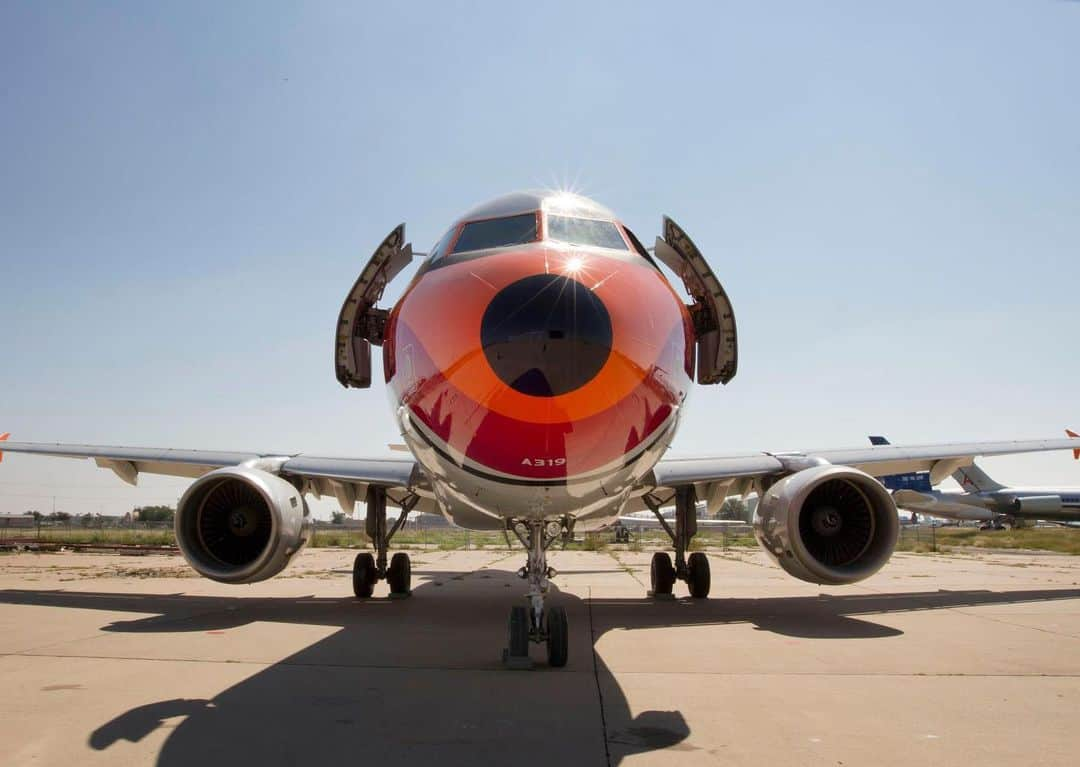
<point x="981" y="499"/>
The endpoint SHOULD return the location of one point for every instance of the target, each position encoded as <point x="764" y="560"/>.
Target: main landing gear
<point x="533" y="623"/>
<point x="695" y="569"/>
<point x="367" y="569"/>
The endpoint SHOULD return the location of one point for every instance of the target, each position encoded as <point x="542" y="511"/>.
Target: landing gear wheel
<point x="364" y="575"/>
<point x="399" y="574"/>
<point x="699" y="578"/>
<point x="517" y="642"/>
<point x="661" y="573"/>
<point x="557" y="637"/>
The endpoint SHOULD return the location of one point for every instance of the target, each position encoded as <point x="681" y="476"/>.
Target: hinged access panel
<point x="360" y="322"/>
<point x="714" y="319"/>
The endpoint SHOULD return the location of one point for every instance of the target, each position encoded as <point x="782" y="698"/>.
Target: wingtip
<point x="1068" y="432"/>
<point x="3" y="436"/>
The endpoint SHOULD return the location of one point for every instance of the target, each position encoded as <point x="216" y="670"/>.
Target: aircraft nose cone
<point x="546" y="335"/>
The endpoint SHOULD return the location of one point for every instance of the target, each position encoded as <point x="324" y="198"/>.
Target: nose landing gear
<point x="695" y="570"/>
<point x="534" y="624"/>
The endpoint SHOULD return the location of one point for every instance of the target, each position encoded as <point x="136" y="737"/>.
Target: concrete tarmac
<point x="124" y="660"/>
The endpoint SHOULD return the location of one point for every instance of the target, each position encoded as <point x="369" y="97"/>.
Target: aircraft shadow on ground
<point x="401" y="682"/>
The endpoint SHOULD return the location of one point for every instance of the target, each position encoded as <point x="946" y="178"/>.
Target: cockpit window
<point x="497" y="233"/>
<point x="441" y="246"/>
<point x="585" y="231"/>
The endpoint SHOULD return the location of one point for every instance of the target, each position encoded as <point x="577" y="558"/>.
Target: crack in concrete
<point x="596" y="678"/>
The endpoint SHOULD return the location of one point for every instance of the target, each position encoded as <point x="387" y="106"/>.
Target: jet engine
<point x="1037" y="504"/>
<point x="828" y="524"/>
<point x="240" y="524"/>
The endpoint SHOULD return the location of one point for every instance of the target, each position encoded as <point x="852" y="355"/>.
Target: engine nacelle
<point x="828" y="524"/>
<point x="1037" y="504"/>
<point x="241" y="525"/>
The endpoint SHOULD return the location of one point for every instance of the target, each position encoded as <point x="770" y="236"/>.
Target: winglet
<point x="3" y="436"/>
<point x="1069" y="432"/>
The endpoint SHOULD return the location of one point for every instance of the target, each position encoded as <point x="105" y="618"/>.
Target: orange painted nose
<point x="537" y="365"/>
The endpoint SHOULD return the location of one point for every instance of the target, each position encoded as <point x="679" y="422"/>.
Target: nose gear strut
<point x="533" y="623"/>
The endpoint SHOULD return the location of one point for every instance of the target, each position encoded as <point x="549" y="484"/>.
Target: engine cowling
<point x="241" y="525"/>
<point x="828" y="524"/>
<point x="1037" y="504"/>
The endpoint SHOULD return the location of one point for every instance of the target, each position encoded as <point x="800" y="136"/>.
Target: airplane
<point x="981" y="499"/>
<point x="538" y="365"/>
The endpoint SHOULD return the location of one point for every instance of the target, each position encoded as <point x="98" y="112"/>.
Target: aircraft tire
<point x="558" y="637"/>
<point x="661" y="573"/>
<point x="399" y="574"/>
<point x="700" y="580"/>
<point x="517" y="643"/>
<point x="364" y="575"/>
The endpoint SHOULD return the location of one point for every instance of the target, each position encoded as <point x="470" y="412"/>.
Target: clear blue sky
<point x="889" y="192"/>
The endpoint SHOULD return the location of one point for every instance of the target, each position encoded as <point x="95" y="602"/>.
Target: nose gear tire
<point x="517" y="642"/>
<point x="558" y="637"/>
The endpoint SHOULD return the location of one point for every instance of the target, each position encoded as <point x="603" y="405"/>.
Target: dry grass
<point x="917" y="540"/>
<point x="1061" y="540"/>
<point x="442" y="539"/>
<point x="103" y="537"/>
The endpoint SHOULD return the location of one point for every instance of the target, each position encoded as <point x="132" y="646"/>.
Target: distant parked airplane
<point x="982" y="499"/>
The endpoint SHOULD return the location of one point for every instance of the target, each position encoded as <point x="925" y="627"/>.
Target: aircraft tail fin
<point x="3" y="436"/>
<point x="973" y="479"/>
<point x="876" y="440"/>
<point x="1076" y="452"/>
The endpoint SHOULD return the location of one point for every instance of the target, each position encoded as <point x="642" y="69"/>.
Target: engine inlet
<point x="234" y="522"/>
<point x="837" y="523"/>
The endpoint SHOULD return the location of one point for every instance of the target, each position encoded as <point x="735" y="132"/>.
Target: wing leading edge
<point x="345" y="478"/>
<point x="940" y="460"/>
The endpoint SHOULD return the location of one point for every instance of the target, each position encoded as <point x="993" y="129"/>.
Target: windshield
<point x="497" y="233"/>
<point x="441" y="246"/>
<point x="585" y="231"/>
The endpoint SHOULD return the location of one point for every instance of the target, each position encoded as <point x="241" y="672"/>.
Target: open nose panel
<point x="360" y="322"/>
<point x="714" y="319"/>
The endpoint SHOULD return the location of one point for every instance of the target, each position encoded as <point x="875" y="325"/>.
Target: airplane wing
<point x="345" y="478"/>
<point x="738" y="472"/>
